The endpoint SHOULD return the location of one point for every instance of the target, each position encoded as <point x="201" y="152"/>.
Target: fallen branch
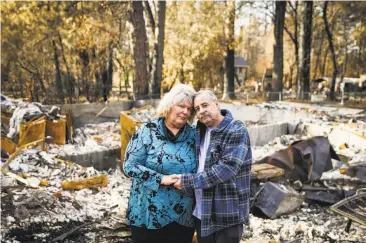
<point x="64" y="235"/>
<point x="70" y="232"/>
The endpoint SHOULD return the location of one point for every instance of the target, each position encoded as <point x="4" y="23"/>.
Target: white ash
<point x="311" y="224"/>
<point x="43" y="206"/>
<point x="143" y="115"/>
<point x="90" y="138"/>
<point x="278" y="143"/>
<point x="44" y="166"/>
<point x="335" y="175"/>
<point x="358" y="127"/>
<point x="358" y="160"/>
<point x="355" y="156"/>
<point x="108" y="131"/>
<point x="275" y="106"/>
<point x="7" y="181"/>
<point x="7" y="104"/>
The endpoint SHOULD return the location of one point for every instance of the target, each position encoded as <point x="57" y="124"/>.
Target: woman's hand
<point x="168" y="180"/>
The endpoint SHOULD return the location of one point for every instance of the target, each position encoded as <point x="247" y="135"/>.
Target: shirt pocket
<point x="215" y="155"/>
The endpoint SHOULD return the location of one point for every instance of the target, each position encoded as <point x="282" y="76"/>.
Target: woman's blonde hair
<point x="180" y="93"/>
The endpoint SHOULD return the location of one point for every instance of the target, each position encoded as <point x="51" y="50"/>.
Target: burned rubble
<point x="45" y="205"/>
<point x="48" y="197"/>
<point x="93" y="140"/>
<point x="298" y="211"/>
<point x="22" y="112"/>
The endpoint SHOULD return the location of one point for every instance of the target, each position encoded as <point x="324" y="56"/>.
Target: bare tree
<point x="69" y="83"/>
<point x="332" y="52"/>
<point x="158" y="33"/>
<point x="140" y="84"/>
<point x="318" y="54"/>
<point x="346" y="44"/>
<point x="159" y="50"/>
<point x="277" y="75"/>
<point x="306" y="47"/>
<point x="58" y="75"/>
<point x="229" y="88"/>
<point x="294" y="38"/>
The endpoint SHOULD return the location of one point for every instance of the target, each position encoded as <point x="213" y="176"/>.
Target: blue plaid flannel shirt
<point x="226" y="177"/>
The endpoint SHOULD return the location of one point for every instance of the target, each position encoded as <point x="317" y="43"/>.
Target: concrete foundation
<point x="277" y="123"/>
<point x="87" y="113"/>
<point x="103" y="160"/>
<point x="100" y="160"/>
<point x="264" y="115"/>
<point x="261" y="135"/>
<point x="100" y="112"/>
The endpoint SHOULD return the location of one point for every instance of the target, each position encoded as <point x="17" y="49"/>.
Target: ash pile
<point x="300" y="186"/>
<point x="44" y="196"/>
<point x="95" y="145"/>
<point x="310" y="185"/>
<point x="99" y="137"/>
<point x="49" y="196"/>
<point x="16" y="112"/>
<point x="44" y="199"/>
<point x="297" y="183"/>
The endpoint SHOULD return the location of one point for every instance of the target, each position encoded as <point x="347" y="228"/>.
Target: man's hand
<point x="168" y="180"/>
<point x="178" y="183"/>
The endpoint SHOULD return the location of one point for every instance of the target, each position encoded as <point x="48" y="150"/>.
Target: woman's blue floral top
<point x="149" y="156"/>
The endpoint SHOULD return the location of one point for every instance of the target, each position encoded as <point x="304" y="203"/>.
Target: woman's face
<point x="179" y="114"/>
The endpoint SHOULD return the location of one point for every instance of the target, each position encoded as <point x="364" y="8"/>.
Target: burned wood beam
<point x="70" y="232"/>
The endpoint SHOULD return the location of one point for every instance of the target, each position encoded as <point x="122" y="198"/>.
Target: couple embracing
<point x="187" y="178"/>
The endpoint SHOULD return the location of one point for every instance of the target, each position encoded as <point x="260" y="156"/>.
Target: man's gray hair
<point x="180" y="93"/>
<point x="208" y="92"/>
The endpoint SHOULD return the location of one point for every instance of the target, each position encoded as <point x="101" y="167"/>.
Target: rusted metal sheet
<point x="92" y="182"/>
<point x="266" y="171"/>
<point x="32" y="131"/>
<point x="5" y="118"/>
<point x="57" y="130"/>
<point x="128" y="128"/>
<point x="8" y="145"/>
<point x="304" y="160"/>
<point x="69" y="126"/>
<point x="328" y="197"/>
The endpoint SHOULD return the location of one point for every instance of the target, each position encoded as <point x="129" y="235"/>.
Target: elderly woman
<point x="161" y="148"/>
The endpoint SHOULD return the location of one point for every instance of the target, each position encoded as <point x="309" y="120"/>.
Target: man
<point x="222" y="181"/>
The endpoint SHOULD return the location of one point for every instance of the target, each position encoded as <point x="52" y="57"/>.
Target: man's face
<point x="207" y="110"/>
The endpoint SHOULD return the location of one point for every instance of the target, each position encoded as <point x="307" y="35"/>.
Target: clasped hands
<point x="175" y="180"/>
